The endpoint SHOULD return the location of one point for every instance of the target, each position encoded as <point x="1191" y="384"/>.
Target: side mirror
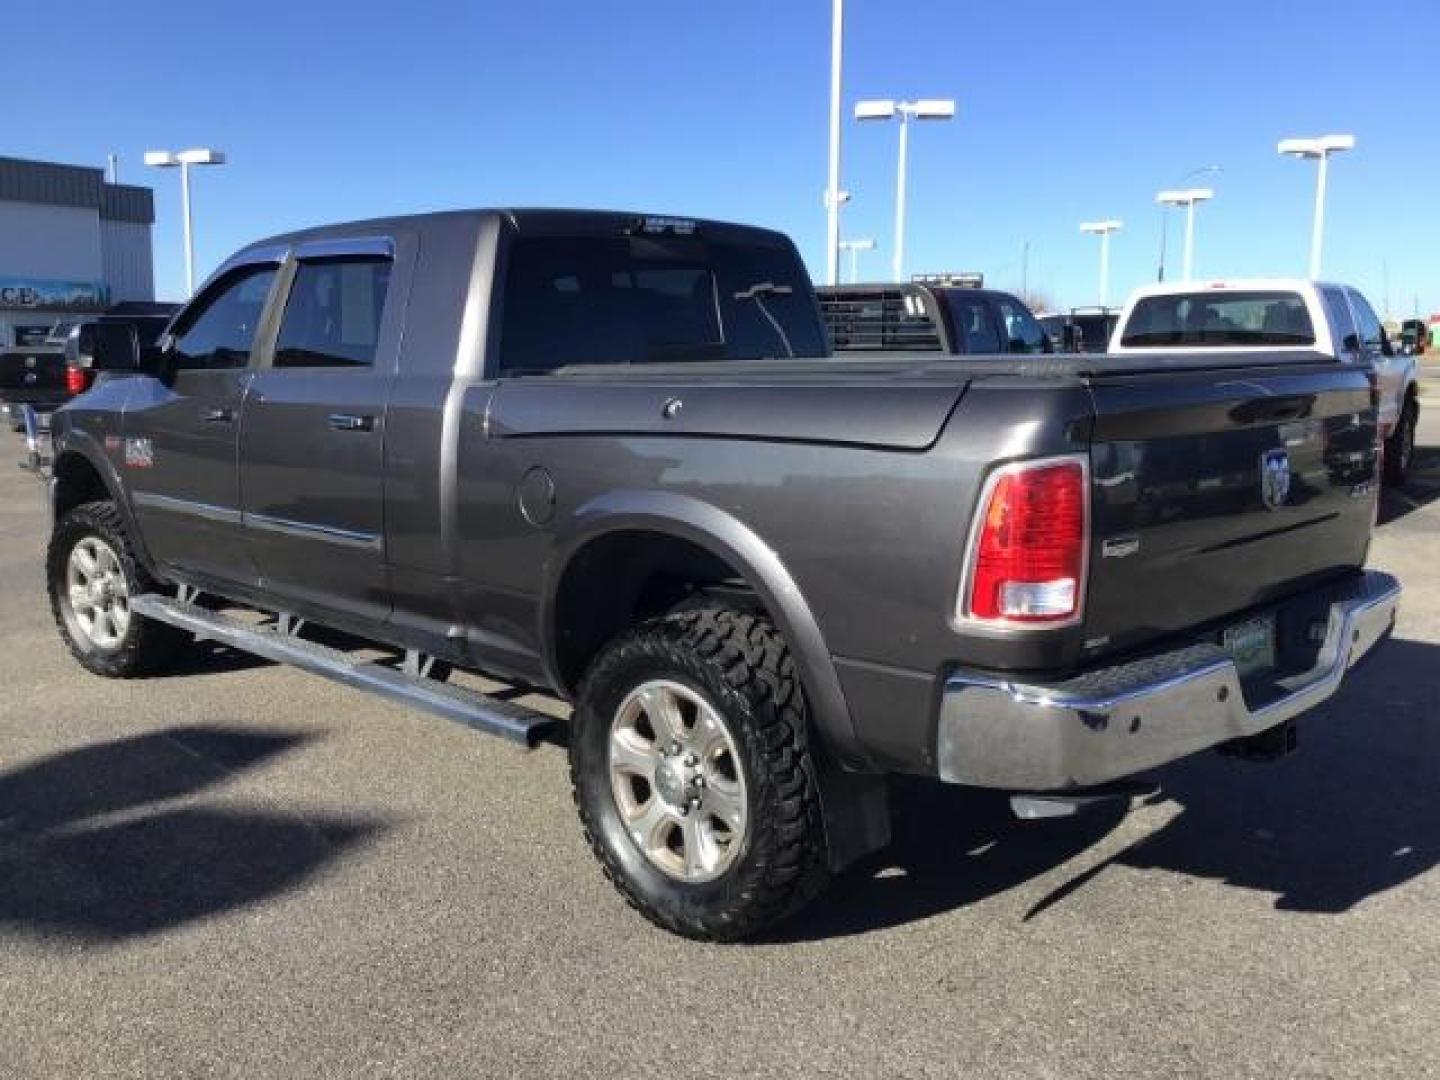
<point x="103" y="347"/>
<point x="1351" y="343"/>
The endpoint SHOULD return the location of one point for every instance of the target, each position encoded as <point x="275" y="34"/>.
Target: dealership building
<point x="70" y="244"/>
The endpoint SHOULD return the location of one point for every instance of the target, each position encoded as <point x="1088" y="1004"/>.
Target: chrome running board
<point x="276" y="642"/>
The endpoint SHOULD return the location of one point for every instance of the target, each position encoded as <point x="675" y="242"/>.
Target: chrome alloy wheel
<point x="677" y="780"/>
<point x="98" y="593"/>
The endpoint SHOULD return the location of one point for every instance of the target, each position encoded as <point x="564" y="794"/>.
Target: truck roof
<point x="535" y="222"/>
<point x="1259" y="284"/>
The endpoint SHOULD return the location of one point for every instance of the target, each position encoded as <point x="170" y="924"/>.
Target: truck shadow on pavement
<point x="1420" y="490"/>
<point x="90" y="850"/>
<point x="1354" y="813"/>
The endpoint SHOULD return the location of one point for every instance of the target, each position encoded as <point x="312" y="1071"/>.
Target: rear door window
<point x="332" y="316"/>
<point x="975" y="331"/>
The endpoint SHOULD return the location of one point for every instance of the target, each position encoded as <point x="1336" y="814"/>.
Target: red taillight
<point x="77" y="380"/>
<point x="1027" y="563"/>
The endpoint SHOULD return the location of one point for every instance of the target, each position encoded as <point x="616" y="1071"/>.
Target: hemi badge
<point x="1117" y="547"/>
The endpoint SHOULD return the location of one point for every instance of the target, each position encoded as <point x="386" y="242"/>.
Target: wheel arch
<point x="620" y="519"/>
<point x="81" y="473"/>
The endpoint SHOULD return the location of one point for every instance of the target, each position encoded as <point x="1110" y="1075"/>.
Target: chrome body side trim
<point x="1007" y="734"/>
<point x="361" y="541"/>
<point x="149" y="500"/>
<point x="225" y="516"/>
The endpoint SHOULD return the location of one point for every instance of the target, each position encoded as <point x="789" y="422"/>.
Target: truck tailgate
<point x="25" y="371"/>
<point x="1218" y="491"/>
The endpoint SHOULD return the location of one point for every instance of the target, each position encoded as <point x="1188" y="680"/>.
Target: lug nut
<point x="691" y="760"/>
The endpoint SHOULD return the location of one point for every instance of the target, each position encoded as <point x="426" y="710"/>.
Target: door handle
<point x="350" y="422"/>
<point x="218" y="416"/>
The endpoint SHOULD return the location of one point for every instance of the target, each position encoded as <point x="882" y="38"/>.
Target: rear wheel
<point x="92" y="575"/>
<point x="1400" y="447"/>
<point x="693" y="777"/>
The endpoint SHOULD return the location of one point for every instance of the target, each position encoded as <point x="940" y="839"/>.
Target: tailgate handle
<point x="218" y="416"/>
<point x="349" y="422"/>
<point x="1273" y="410"/>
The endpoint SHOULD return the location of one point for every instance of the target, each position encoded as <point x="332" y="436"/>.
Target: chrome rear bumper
<point x="1119" y="721"/>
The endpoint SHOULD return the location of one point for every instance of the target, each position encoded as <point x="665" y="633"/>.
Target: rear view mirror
<point x="103" y="347"/>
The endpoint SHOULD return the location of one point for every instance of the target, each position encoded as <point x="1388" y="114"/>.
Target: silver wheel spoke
<point x="664" y="712"/>
<point x="695" y="860"/>
<point x="647" y="824"/>
<point x="84" y="559"/>
<point x="629" y="755"/>
<point x="726" y="804"/>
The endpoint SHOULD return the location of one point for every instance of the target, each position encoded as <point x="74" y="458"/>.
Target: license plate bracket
<point x="1251" y="645"/>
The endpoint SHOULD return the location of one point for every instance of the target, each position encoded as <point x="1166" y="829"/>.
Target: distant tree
<point x="1036" y="300"/>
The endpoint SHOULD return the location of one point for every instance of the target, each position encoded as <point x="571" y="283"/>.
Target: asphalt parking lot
<point x="244" y="871"/>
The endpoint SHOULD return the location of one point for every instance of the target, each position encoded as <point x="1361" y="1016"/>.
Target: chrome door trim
<point x="206" y="511"/>
<point x="361" y="541"/>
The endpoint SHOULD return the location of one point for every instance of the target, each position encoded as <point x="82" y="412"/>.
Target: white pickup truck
<point x="1269" y="315"/>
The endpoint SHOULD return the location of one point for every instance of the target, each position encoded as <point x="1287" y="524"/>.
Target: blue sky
<point x="337" y="109"/>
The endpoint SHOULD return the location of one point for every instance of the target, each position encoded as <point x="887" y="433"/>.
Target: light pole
<point x="854" y="247"/>
<point x="832" y="187"/>
<point x="1103" y="229"/>
<point x="925" y="109"/>
<point x="167" y="159"/>
<point x="1320" y="150"/>
<point x="1165" y="217"/>
<point x="1187" y="198"/>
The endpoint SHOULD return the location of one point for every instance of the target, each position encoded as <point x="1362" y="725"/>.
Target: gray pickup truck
<point x="609" y="456"/>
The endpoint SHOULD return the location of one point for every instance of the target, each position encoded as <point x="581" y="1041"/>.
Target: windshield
<point x="595" y="300"/>
<point x="1220" y="318"/>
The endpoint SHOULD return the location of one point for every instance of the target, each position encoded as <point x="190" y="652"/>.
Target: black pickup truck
<point x="32" y="372"/>
<point x="35" y="374"/>
<point x="607" y="455"/>
<point x="925" y="317"/>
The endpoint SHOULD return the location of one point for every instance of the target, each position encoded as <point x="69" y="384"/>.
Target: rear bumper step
<point x="1120" y="721"/>
<point x="475" y="710"/>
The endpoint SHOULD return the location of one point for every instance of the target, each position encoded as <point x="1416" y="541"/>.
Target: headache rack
<point x="891" y="320"/>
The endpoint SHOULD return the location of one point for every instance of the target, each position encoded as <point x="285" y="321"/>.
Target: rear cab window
<point x="975" y="330"/>
<point x="1255" y="318"/>
<point x="643" y="298"/>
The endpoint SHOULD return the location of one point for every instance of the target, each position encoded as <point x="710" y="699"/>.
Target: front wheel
<point x="92" y="575"/>
<point x="1400" y="447"/>
<point x="693" y="777"/>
